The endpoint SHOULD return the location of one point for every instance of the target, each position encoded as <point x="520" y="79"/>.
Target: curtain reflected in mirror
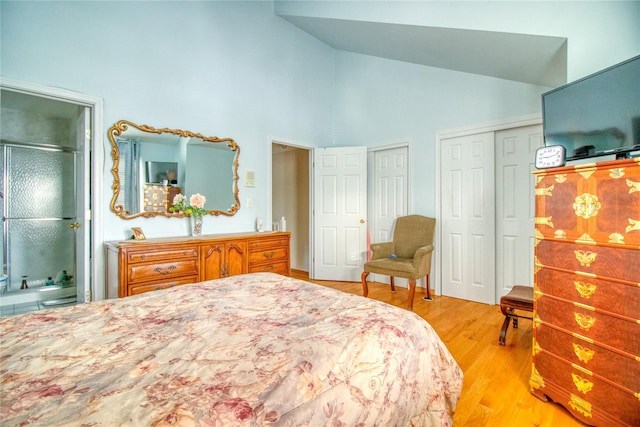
<point x="128" y="173"/>
<point x="151" y="166"/>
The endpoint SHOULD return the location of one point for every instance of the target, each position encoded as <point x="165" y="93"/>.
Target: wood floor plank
<point x="495" y="391"/>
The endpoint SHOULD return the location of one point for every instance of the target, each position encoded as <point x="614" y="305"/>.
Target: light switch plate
<point x="249" y="179"/>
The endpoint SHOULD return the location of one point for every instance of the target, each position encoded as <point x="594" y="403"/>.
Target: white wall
<point x="219" y="68"/>
<point x="380" y="100"/>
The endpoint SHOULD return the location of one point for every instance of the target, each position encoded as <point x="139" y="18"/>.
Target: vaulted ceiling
<point x="533" y="59"/>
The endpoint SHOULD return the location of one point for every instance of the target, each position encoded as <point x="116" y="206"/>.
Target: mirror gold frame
<point x="123" y="125"/>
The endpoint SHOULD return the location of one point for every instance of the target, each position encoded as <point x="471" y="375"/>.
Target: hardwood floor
<point x="496" y="378"/>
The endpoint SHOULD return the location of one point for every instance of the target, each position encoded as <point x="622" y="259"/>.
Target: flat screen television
<point x="161" y="172"/>
<point x="597" y="115"/>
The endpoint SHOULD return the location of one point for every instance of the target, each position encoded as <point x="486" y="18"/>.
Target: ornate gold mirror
<point x="151" y="166"/>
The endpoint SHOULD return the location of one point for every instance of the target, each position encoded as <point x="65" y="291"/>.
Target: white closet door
<point x="468" y="217"/>
<point x="390" y="197"/>
<point x="515" y="184"/>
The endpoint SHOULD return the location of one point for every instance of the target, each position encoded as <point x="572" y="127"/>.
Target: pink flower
<point x="232" y="410"/>
<point x="179" y="199"/>
<point x="178" y="416"/>
<point x="198" y="200"/>
<point x="195" y="207"/>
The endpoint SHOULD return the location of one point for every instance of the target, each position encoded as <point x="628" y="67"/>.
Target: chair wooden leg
<point x="393" y="285"/>
<point x="428" y="297"/>
<point x="365" y="287"/>
<point x="412" y="291"/>
<point x="503" y="331"/>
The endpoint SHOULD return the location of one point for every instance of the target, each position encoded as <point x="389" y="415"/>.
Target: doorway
<point x="340" y="223"/>
<point x="290" y="198"/>
<point x="47" y="191"/>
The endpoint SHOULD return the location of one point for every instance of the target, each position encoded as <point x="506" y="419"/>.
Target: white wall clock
<point x="551" y="156"/>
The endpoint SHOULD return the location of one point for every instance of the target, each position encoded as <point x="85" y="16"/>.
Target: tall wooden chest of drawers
<point x="137" y="266"/>
<point x="586" y="335"/>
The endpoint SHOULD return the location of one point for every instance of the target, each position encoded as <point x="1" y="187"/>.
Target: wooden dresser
<point x="586" y="335"/>
<point x="137" y="266"/>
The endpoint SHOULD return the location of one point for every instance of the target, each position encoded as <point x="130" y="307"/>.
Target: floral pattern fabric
<point x="249" y="350"/>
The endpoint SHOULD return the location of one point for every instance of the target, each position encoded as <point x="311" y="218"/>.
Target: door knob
<point x="361" y="220"/>
<point x="75" y="225"/>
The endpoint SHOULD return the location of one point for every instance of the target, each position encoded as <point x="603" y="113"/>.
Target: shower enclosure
<point x="42" y="185"/>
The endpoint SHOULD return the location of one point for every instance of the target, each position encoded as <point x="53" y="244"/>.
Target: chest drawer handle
<point x="580" y="405"/>
<point x="268" y="268"/>
<point x="584" y="354"/>
<point x="159" y="270"/>
<point x="585" y="289"/>
<point x="268" y="255"/>
<point x="584" y="321"/>
<point x="583" y="385"/>
<point x="585" y="258"/>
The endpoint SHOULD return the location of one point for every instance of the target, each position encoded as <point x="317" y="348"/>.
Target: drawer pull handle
<point x="584" y="354"/>
<point x="580" y="405"/>
<point x="585" y="289"/>
<point x="583" y="385"/>
<point x="159" y="270"/>
<point x="586" y="258"/>
<point x="268" y="255"/>
<point x="268" y="268"/>
<point x="584" y="321"/>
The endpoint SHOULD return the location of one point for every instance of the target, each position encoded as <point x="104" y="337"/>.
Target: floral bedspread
<point x="250" y="350"/>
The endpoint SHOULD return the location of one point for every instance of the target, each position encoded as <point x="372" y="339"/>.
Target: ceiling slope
<point x="532" y="59"/>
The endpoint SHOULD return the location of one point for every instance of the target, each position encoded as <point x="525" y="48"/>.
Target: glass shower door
<point x="40" y="221"/>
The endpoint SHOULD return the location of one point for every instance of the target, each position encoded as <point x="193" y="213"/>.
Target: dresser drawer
<point x="139" y="289"/>
<point x="281" y="267"/>
<point x="261" y="244"/>
<point x="162" y="271"/>
<point x="616" y="367"/>
<point x="162" y="255"/>
<point x="268" y="254"/>
<point x="588" y="393"/>
<point x="605" y="261"/>
<point x="605" y="329"/>
<point x="620" y="298"/>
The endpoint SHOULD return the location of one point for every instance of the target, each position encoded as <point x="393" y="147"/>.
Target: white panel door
<point x="390" y="199"/>
<point x="390" y="196"/>
<point x="515" y="184"/>
<point x="468" y="217"/>
<point x="339" y="213"/>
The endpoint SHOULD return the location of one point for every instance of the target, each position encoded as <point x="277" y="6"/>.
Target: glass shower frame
<point x="45" y="203"/>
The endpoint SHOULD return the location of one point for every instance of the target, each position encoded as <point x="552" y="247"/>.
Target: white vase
<point x="196" y="225"/>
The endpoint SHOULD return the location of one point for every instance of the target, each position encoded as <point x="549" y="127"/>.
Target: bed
<point x="249" y="350"/>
